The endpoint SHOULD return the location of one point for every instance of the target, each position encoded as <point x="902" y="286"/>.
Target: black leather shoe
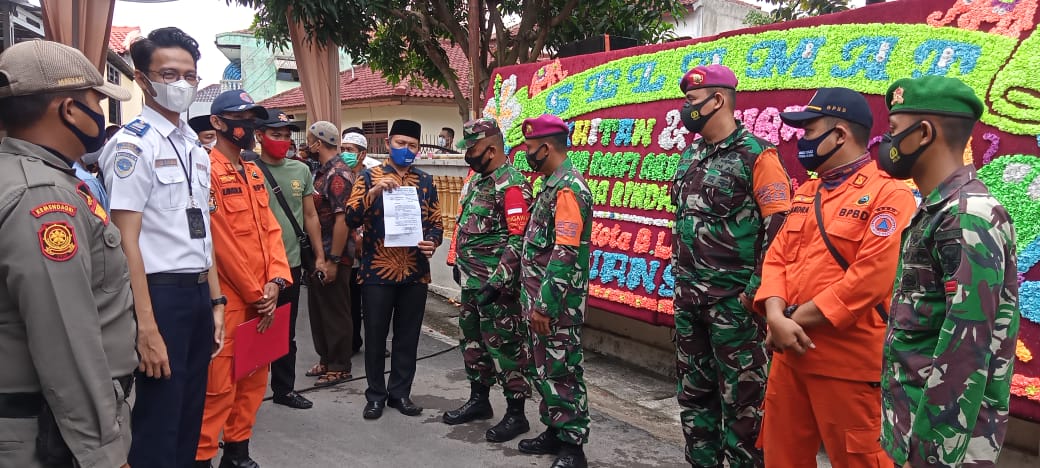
<point x="545" y="444"/>
<point x="405" y="406"/>
<point x="293" y="400"/>
<point x="571" y="456"/>
<point x="374" y="409"/>
<point x="477" y="407"/>
<point x="511" y="426"/>
<point x="236" y="455"/>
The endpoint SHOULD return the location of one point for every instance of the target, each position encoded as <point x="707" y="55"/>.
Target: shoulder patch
<point x="138" y="127"/>
<point x="92" y="204"/>
<point x="569" y="224"/>
<point x="58" y="241"/>
<point x="53" y="207"/>
<point x="859" y="181"/>
<point x="125" y="164"/>
<point x="128" y="147"/>
<point x="883" y="225"/>
<point x="516" y="208"/>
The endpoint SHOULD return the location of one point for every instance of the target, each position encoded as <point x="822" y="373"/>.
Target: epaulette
<point x="137" y="128"/>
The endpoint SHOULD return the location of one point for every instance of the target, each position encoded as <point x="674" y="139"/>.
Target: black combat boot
<point x="571" y="456"/>
<point x="478" y="407"/>
<point x="545" y="444"/>
<point x="513" y="424"/>
<point x="236" y="455"/>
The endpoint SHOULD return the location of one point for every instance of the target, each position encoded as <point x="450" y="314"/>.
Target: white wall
<point x="712" y="17"/>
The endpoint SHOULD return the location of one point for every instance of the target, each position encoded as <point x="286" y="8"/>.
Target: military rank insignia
<point x="58" y="241"/>
<point x="95" y="208"/>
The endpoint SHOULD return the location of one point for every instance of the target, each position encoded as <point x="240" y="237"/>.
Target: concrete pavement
<point x="634" y="416"/>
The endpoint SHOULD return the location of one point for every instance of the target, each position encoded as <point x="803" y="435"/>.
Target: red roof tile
<point x="365" y="84"/>
<point x="121" y="37"/>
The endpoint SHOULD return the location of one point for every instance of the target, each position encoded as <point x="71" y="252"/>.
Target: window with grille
<point x="375" y="132"/>
<point x="115" y="108"/>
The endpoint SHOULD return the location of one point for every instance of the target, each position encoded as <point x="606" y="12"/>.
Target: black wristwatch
<point x="281" y="282"/>
<point x="334" y="258"/>
<point x="222" y="300"/>
<point x="789" y="311"/>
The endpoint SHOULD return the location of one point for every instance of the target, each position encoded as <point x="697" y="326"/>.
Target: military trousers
<point x="721" y="367"/>
<point x="167" y="413"/>
<point x="494" y="344"/>
<point x="560" y="379"/>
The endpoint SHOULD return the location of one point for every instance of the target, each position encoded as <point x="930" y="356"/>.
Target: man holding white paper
<point x="397" y="206"/>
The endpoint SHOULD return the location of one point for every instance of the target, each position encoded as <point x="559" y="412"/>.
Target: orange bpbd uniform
<point x="247" y="240"/>
<point x="832" y="393"/>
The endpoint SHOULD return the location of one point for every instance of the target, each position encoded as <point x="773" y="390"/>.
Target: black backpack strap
<point x="281" y="197"/>
<point x="834" y="252"/>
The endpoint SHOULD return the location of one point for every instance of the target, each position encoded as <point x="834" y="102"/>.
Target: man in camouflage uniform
<point x="950" y="347"/>
<point x="489" y="238"/>
<point x="554" y="277"/>
<point x="731" y="195"/>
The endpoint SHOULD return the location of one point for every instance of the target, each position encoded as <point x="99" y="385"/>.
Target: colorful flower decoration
<point x="546" y="77"/>
<point x="504" y="106"/>
<point x="1028" y="387"/>
<point x="1022" y="352"/>
<point x="1009" y="18"/>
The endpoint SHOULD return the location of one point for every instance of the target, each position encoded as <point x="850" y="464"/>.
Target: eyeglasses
<point x="169" y="76"/>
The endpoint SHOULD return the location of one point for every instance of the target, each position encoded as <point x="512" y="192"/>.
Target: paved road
<point x="333" y="433"/>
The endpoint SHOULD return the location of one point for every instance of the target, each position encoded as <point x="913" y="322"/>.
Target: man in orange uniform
<point x="826" y="284"/>
<point x="252" y="267"/>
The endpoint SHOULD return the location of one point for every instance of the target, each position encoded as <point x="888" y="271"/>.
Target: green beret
<point x="933" y="95"/>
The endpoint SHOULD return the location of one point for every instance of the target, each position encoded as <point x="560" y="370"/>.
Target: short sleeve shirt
<point x="294" y="180"/>
<point x="159" y="169"/>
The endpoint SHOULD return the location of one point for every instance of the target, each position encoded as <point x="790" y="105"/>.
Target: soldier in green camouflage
<point x="950" y="346"/>
<point x="554" y="279"/>
<point x="731" y="195"/>
<point x="489" y="238"/>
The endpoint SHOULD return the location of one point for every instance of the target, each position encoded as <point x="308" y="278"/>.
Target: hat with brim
<point x="42" y="67"/>
<point x="936" y="95"/>
<point x="476" y="130"/>
<point x="236" y="100"/>
<point x="200" y="123"/>
<point x="277" y="118"/>
<point x="842" y="103"/>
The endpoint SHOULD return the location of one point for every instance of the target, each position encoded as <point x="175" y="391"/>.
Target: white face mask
<point x="442" y="142"/>
<point x="175" y="97"/>
<point x="210" y="145"/>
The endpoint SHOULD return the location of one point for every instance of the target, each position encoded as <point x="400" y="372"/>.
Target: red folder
<point x="254" y="350"/>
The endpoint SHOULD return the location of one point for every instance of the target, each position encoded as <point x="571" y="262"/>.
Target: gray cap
<point x="40" y="67"/>
<point x="325" y="131"/>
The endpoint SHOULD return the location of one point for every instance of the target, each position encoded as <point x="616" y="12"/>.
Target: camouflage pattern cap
<point x="476" y="130"/>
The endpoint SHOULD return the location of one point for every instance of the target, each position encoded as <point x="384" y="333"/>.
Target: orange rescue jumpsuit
<point x="832" y="393"/>
<point x="247" y="240"/>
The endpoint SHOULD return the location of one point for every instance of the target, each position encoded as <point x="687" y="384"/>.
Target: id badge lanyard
<point x="196" y="220"/>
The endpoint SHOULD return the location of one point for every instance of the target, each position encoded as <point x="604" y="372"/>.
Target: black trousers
<point x="356" y="314"/>
<point x="404" y="305"/>
<point x="283" y="370"/>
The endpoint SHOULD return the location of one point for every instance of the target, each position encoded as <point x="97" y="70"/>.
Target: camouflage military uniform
<point x="719" y="240"/>
<point x="950" y="346"/>
<point x="555" y="281"/>
<point x="489" y="239"/>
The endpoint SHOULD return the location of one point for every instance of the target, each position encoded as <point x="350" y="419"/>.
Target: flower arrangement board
<point x="626" y="135"/>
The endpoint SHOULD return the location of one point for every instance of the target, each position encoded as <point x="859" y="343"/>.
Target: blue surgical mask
<point x="808" y="153"/>
<point x="349" y="158"/>
<point x="403" y="157"/>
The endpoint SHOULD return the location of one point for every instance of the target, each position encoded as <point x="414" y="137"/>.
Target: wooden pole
<point x="474" y="57"/>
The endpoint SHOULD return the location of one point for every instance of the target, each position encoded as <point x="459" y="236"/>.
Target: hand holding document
<point x="402" y="218"/>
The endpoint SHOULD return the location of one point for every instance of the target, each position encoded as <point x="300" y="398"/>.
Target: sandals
<point x="332" y="378"/>
<point x="317" y="370"/>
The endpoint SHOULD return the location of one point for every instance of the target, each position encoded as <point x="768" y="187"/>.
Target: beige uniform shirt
<point x="66" y="313"/>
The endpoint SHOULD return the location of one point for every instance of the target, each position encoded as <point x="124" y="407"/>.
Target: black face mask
<point x="895" y="162"/>
<point x="478" y="163"/>
<point x="808" y="151"/>
<point x="536" y="163"/>
<point x="691" y="115"/>
<point x="240" y="132"/>
<point x="90" y="143"/>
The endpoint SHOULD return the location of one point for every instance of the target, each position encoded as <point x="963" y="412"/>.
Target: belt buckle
<point x="203" y="277"/>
